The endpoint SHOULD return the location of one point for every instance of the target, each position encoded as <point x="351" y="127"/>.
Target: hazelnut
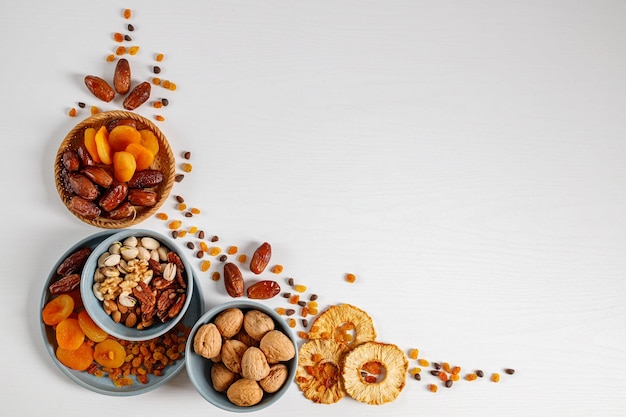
<point x="254" y="365"/>
<point x="277" y="347"/>
<point x="222" y="377"/>
<point x="229" y="322"/>
<point x="244" y="393"/>
<point x="256" y="323"/>
<point x="275" y="379"/>
<point x="232" y="351"/>
<point x="207" y="342"/>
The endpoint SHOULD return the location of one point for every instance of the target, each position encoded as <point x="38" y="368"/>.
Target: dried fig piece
<point x="143" y="198"/>
<point x="70" y="160"/>
<point x="146" y="178"/>
<point x="233" y="280"/>
<point x="139" y="95"/>
<point x="98" y="175"/>
<point x="74" y="262"/>
<point x="260" y="258"/>
<point x="121" y="77"/>
<point x="99" y="88"/>
<point x="82" y="186"/>
<point x="114" y="196"/>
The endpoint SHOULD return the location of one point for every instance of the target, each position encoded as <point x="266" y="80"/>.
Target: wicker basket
<point x="163" y="161"/>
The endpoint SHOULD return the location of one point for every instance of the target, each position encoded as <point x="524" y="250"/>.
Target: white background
<point x="465" y="159"/>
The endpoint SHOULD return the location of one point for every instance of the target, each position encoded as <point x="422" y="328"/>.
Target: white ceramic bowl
<point x="199" y="368"/>
<point x="94" y="306"/>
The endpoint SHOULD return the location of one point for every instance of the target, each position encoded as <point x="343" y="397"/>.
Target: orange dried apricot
<point x="149" y="140"/>
<point x="57" y="309"/>
<point x="109" y="353"/>
<point x="69" y="335"/>
<point x="103" y="147"/>
<point x="142" y="155"/>
<point x="89" y="139"/>
<point x="123" y="135"/>
<point x="77" y="359"/>
<point x="90" y="328"/>
<point x="124" y="166"/>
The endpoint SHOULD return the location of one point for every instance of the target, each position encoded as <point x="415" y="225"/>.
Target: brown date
<point x="263" y="290"/>
<point x="122" y="211"/>
<point x="121" y="77"/>
<point x="74" y="262"/>
<point x="85" y="157"/>
<point x="146" y="178"/>
<point x="233" y="280"/>
<point x="143" y="198"/>
<point x="65" y="284"/>
<point x="114" y="196"/>
<point x="260" y="258"/>
<point x="70" y="160"/>
<point x="99" y="88"/>
<point x="84" y="208"/>
<point x="82" y="186"/>
<point x="117" y="122"/>
<point x="99" y="176"/>
<point x="139" y="95"/>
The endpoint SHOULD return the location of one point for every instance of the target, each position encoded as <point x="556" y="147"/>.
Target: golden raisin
<point x="413" y="353"/>
<point x="446" y="367"/>
<point x="156" y="81"/>
<point x="300" y="288"/>
<point x="182" y="233"/>
<point x="193" y="229"/>
<point x="292" y="323"/>
<point x="133" y="50"/>
<point x="181" y="206"/>
<point x="232" y="250"/>
<point x="277" y="269"/>
<point x="313" y="311"/>
<point x="443" y="376"/>
<point x="423" y="362"/>
<point x="127" y="13"/>
<point x="214" y="251"/>
<point x="175" y="224"/>
<point x="203" y="246"/>
<point x="350" y="278"/>
<point x="159" y="57"/>
<point x="455" y="370"/>
<point x="215" y="276"/>
<point x="118" y="37"/>
<point x="94" y="110"/>
<point x="165" y="84"/>
<point x="414" y="371"/>
<point x="72" y="112"/>
<point x="110" y="58"/>
<point x="120" y="50"/>
<point x="454" y="377"/>
<point x="303" y="335"/>
<point x="172" y="86"/>
<point x="432" y="388"/>
<point x="205" y="265"/>
<point x="159" y="118"/>
<point x="187" y="167"/>
<point x="495" y="377"/>
<point x="195" y="210"/>
<point x="157" y="104"/>
<point x="162" y="216"/>
<point x="312" y="304"/>
<point x="471" y="377"/>
<point x="294" y="299"/>
<point x="242" y="258"/>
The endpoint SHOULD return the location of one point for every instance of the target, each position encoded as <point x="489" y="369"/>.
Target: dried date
<point x="82" y="186"/>
<point x="143" y="198"/>
<point x="123" y="211"/>
<point x="70" y="160"/>
<point x="74" y="262"/>
<point x="99" y="176"/>
<point x="99" y="88"/>
<point x="114" y="196"/>
<point x="146" y="178"/>
<point x="65" y="284"/>
<point x="139" y="95"/>
<point x="85" y="157"/>
<point x="84" y="208"/>
<point x="121" y="77"/>
<point x="260" y="258"/>
<point x="233" y="280"/>
<point x="263" y="290"/>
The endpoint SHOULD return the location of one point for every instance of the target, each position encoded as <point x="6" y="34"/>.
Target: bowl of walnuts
<point x="114" y="169"/>
<point x="241" y="356"/>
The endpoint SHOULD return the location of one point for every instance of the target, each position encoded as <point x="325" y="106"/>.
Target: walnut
<point x="244" y="337"/>
<point x="207" y="342"/>
<point x="222" y="377"/>
<point x="277" y="347"/>
<point x="232" y="351"/>
<point x="275" y="379"/>
<point x="254" y="365"/>
<point x="229" y="322"/>
<point x="256" y="323"/>
<point x="244" y="393"/>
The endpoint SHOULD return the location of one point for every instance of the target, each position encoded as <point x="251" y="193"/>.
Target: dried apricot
<point x="102" y="146"/>
<point x="149" y="140"/>
<point x="143" y="156"/>
<point x="90" y="328"/>
<point x="123" y="135"/>
<point x="77" y="359"/>
<point x="89" y="139"/>
<point x="69" y="335"/>
<point x="57" y="309"/>
<point x="109" y="353"/>
<point x="124" y="166"/>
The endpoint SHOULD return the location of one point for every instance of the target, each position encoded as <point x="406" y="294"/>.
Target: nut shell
<point x="229" y="322"/>
<point x="244" y="393"/>
<point x="277" y="347"/>
<point x="232" y="352"/>
<point x="208" y="341"/>
<point x="222" y="377"/>
<point x="257" y="324"/>
<point x="254" y="364"/>
<point x="275" y="379"/>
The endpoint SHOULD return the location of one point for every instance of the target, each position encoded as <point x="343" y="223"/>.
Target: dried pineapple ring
<point x="318" y="375"/>
<point x="338" y="321"/>
<point x="385" y="390"/>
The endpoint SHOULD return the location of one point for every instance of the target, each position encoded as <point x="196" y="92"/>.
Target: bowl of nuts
<point x="241" y="356"/>
<point x="114" y="169"/>
<point x="136" y="285"/>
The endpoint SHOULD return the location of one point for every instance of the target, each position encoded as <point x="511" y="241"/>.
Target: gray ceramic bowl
<point x="95" y="307"/>
<point x="199" y="368"/>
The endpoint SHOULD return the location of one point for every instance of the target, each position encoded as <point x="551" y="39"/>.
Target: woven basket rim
<point x="165" y="158"/>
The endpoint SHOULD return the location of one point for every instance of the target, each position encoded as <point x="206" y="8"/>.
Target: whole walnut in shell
<point x="275" y="379"/>
<point x="232" y="351"/>
<point x="256" y="324"/>
<point x="208" y="341"/>
<point x="254" y="365"/>
<point x="229" y="322"/>
<point x="244" y="392"/>
<point x="222" y="377"/>
<point x="277" y="347"/>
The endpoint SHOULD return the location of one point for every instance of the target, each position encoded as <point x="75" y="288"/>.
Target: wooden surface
<point x="465" y="159"/>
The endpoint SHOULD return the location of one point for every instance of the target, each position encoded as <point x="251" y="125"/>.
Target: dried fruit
<point x="124" y="166"/>
<point x="84" y="208"/>
<point x="109" y="353"/>
<point x="114" y="196"/>
<point x="261" y="258"/>
<point x="78" y="359"/>
<point x="89" y="141"/>
<point x="233" y="280"/>
<point x="142" y="155"/>
<point x="318" y="375"/>
<point x="69" y="335"/>
<point x="139" y="95"/>
<point x="143" y="198"/>
<point x="121" y="77"/>
<point x="74" y="262"/>
<point x="146" y="178"/>
<point x="99" y="88"/>
<point x="65" y="284"/>
<point x="123" y="135"/>
<point x="57" y="309"/>
<point x="98" y="176"/>
<point x="82" y="186"/>
<point x="339" y="319"/>
<point x="262" y="290"/>
<point x="103" y="148"/>
<point x="90" y="328"/>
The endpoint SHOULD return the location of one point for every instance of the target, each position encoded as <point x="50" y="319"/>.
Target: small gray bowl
<point x="199" y="368"/>
<point x="94" y="306"/>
